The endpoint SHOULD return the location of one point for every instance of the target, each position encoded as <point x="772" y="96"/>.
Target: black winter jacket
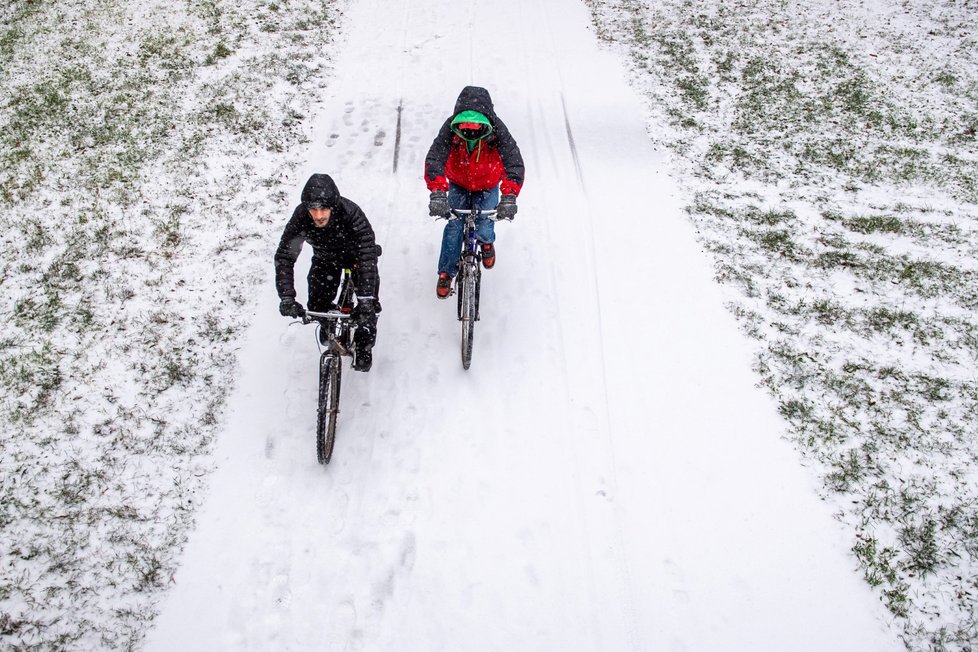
<point x="346" y="241"/>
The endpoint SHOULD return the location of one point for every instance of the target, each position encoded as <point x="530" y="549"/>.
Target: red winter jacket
<point x="481" y="169"/>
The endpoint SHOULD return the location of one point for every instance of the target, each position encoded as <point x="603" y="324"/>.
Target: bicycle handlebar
<point x="311" y="315"/>
<point x="462" y="213"/>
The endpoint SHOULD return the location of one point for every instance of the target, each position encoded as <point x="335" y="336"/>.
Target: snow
<point x="606" y="476"/>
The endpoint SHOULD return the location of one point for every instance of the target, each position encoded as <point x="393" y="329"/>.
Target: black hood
<point x="475" y="98"/>
<point x="321" y="188"/>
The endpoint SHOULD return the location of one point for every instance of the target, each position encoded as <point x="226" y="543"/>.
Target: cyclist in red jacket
<point x="472" y="161"/>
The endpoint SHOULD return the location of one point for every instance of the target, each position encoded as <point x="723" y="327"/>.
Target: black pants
<point x="324" y="283"/>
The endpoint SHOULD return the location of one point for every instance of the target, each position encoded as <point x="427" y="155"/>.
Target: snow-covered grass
<point x="828" y="150"/>
<point x="828" y="153"/>
<point x="143" y="147"/>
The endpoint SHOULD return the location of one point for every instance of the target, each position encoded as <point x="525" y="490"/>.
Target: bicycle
<point x="335" y="333"/>
<point x="468" y="281"/>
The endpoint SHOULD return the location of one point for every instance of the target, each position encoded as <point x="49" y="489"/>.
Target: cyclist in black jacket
<point x="341" y="238"/>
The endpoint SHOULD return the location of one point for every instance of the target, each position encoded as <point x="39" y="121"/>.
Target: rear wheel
<point x="468" y="311"/>
<point x="330" y="370"/>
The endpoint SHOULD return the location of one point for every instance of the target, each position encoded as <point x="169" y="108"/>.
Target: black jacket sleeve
<point x="434" y="162"/>
<point x="509" y="152"/>
<point x="365" y="250"/>
<point x="288" y="252"/>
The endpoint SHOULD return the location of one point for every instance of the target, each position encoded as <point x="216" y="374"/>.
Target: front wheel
<point x="468" y="311"/>
<point x="330" y="371"/>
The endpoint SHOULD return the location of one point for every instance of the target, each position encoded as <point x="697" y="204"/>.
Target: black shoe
<point x="362" y="360"/>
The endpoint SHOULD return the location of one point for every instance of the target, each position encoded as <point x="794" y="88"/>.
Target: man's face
<point x="320" y="216"/>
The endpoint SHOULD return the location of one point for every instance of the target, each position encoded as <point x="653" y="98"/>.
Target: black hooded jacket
<point x="347" y="240"/>
<point x="475" y="98"/>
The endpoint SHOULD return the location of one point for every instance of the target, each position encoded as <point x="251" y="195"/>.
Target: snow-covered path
<point x="605" y="476"/>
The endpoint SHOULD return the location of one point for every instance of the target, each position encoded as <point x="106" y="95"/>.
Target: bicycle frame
<point x="471" y="253"/>
<point x="339" y="332"/>
<point x="336" y="323"/>
<point x="470" y="243"/>
<point x="468" y="281"/>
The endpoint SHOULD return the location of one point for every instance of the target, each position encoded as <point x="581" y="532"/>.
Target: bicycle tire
<point x="469" y="312"/>
<point x="330" y="371"/>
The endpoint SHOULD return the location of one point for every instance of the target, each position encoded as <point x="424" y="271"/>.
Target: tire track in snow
<point x="627" y="595"/>
<point x="572" y="144"/>
<point x="382" y="557"/>
<point x="551" y="104"/>
<point x="572" y="452"/>
<point x="397" y="136"/>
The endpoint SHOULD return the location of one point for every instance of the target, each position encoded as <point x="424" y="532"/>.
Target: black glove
<point x="438" y="204"/>
<point x="289" y="307"/>
<point x="507" y="207"/>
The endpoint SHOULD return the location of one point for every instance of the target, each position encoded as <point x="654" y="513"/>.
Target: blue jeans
<point x="451" y="239"/>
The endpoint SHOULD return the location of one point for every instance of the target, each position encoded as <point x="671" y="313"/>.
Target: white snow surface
<point x="606" y="476"/>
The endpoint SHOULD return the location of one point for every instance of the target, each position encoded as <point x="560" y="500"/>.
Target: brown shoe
<point x="444" y="287"/>
<point x="488" y="255"/>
